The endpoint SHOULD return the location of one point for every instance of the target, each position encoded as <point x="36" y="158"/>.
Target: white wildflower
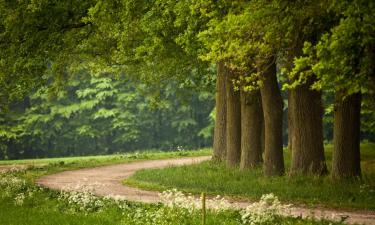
<point x="19" y="199"/>
<point x="263" y="212"/>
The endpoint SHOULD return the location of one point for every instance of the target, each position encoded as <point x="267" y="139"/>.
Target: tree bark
<point x="251" y="129"/>
<point x="273" y="119"/>
<point x="306" y="119"/>
<point x="346" y="136"/>
<point x="233" y="123"/>
<point x="219" y="144"/>
<point x="290" y="123"/>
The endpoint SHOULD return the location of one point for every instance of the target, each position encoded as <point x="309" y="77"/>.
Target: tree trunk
<point x="273" y="120"/>
<point x="290" y="123"/>
<point x="219" y="144"/>
<point x="346" y="136"/>
<point x="233" y="123"/>
<point x="251" y="129"/>
<point x="307" y="130"/>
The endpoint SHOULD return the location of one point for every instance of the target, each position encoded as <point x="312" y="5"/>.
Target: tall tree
<point x="220" y="130"/>
<point x="251" y="129"/>
<point x="233" y="155"/>
<point x="302" y="21"/>
<point x="346" y="136"/>
<point x="273" y="119"/>
<point x="343" y="61"/>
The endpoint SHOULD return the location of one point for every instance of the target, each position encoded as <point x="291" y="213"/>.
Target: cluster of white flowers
<point x="263" y="212"/>
<point x="19" y="199"/>
<point x="15" y="187"/>
<point x="82" y="198"/>
<point x="157" y="215"/>
<point x="174" y="198"/>
<point x="15" y="169"/>
<point x="10" y="184"/>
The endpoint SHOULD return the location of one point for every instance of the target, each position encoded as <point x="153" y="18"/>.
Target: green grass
<point x="44" y="208"/>
<point x="108" y="159"/>
<point x="41" y="167"/>
<point x="216" y="179"/>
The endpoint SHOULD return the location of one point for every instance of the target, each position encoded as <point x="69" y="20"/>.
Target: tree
<point x="251" y="129"/>
<point x="220" y="132"/>
<point x="273" y="119"/>
<point x="233" y="141"/>
<point x="343" y="61"/>
<point x="35" y="37"/>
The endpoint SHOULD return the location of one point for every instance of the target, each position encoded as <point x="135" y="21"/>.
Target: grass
<point x="109" y="159"/>
<point x="54" y="165"/>
<point x="43" y="206"/>
<point x="44" y="209"/>
<point x="217" y="179"/>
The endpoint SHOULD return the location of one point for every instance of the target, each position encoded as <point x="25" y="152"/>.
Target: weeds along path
<point x="5" y="168"/>
<point x="107" y="181"/>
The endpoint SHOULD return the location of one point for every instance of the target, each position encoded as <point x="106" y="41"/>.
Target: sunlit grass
<point x="115" y="158"/>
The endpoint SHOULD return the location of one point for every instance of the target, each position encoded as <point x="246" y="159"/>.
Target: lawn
<point x="217" y="179"/>
<point x="109" y="159"/>
<point x="22" y="202"/>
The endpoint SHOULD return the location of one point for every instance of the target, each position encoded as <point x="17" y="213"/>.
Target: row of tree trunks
<point x="249" y="122"/>
<point x="253" y="122"/>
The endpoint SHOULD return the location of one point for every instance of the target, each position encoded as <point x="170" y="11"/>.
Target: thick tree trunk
<point x="233" y="123"/>
<point x="251" y="129"/>
<point x="273" y="120"/>
<point x="306" y="119"/>
<point x="346" y="136"/>
<point x="263" y="133"/>
<point x="219" y="144"/>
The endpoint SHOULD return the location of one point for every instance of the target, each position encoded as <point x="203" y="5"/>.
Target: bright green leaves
<point x="343" y="58"/>
<point x="34" y="35"/>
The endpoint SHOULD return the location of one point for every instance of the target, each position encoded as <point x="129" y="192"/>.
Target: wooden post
<point x="203" y="208"/>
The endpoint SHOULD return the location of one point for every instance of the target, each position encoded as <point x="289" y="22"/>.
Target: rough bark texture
<point x="233" y="123"/>
<point x="290" y="122"/>
<point x="251" y="129"/>
<point x="307" y="130"/>
<point x="273" y="120"/>
<point x="263" y="131"/>
<point x="346" y="136"/>
<point x="219" y="144"/>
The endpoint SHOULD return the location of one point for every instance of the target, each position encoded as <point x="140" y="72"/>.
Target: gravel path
<point x="106" y="181"/>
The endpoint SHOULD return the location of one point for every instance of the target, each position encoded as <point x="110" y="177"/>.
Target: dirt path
<point x="106" y="181"/>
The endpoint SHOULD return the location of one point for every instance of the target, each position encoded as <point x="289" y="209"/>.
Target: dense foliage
<point x="106" y="114"/>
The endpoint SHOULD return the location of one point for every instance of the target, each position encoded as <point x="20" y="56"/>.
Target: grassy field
<point x="216" y="179"/>
<point x="109" y="159"/>
<point x="22" y="202"/>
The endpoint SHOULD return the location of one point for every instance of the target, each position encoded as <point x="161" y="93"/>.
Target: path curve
<point x="107" y="181"/>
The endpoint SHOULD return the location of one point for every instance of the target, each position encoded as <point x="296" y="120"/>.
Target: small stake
<point x="203" y="208"/>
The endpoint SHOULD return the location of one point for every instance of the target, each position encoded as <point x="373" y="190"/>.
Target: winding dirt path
<point x="106" y="181"/>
